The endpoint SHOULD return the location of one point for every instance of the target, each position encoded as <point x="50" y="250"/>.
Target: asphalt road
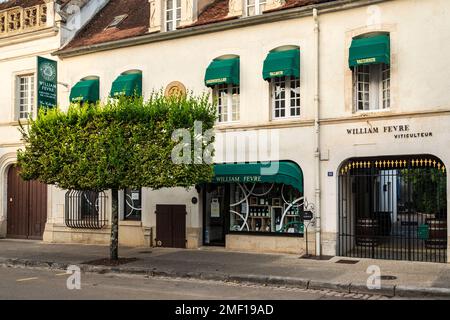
<point x="26" y="284"/>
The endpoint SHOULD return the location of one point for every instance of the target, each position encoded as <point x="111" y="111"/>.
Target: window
<point x="132" y="204"/>
<point x="285" y="92"/>
<point x="85" y="209"/>
<point x="254" y="7"/>
<point x="372" y="87"/>
<point x="227" y="96"/>
<point x="25" y="96"/>
<point x="173" y="14"/>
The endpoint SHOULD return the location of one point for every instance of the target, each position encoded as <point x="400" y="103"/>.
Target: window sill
<point x="368" y="113"/>
<point x="130" y="223"/>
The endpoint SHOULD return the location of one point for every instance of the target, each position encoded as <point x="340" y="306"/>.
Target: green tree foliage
<point x="126" y="142"/>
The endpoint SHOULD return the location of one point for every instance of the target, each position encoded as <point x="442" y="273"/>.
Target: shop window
<point x="254" y="7"/>
<point x="372" y="87"/>
<point x="25" y="96"/>
<point x="173" y="14"/>
<point x="266" y="208"/>
<point x="132" y="204"/>
<point x="227" y="97"/>
<point x="285" y="93"/>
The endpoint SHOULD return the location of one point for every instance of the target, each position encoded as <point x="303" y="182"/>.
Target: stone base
<point x="131" y="234"/>
<point x="2" y="229"/>
<point x="270" y="244"/>
<point x="194" y="239"/>
<point x="329" y="243"/>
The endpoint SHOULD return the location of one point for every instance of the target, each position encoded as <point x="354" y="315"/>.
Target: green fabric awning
<point x="282" y="64"/>
<point x="128" y="85"/>
<point x="376" y="49"/>
<point x="284" y="172"/>
<point x="86" y="91"/>
<point x="223" y="72"/>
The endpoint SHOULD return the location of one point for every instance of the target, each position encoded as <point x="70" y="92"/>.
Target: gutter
<point x="276" y="16"/>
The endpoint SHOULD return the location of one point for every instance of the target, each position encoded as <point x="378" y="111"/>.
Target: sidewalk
<point x="411" y="278"/>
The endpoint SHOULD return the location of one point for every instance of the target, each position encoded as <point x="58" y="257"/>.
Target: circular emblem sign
<point x="48" y="71"/>
<point x="175" y="88"/>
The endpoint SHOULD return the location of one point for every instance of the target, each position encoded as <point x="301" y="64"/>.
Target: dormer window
<point x="254" y="7"/>
<point x="173" y="14"/>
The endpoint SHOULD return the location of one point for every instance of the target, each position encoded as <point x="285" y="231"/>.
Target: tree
<point x="125" y="143"/>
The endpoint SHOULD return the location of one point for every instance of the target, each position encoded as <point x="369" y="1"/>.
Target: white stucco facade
<point x="419" y="33"/>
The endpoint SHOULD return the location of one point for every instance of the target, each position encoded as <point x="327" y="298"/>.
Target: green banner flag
<point x="47" y="86"/>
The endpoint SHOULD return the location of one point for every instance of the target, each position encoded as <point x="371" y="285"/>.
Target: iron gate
<point x="393" y="208"/>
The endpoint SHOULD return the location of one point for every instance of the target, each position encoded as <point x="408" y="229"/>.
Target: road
<point x="26" y="284"/>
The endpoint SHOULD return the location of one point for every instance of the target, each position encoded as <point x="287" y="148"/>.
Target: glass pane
<point x="132" y="204"/>
<point x="169" y="4"/>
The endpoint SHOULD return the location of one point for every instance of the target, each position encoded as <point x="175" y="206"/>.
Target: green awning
<point x="284" y="172"/>
<point x="376" y="49"/>
<point x="128" y="85"/>
<point x="86" y="91"/>
<point x="222" y="72"/>
<point x="282" y="64"/>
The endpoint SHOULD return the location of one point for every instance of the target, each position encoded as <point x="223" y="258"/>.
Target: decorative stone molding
<point x="19" y="20"/>
<point x="274" y="4"/>
<point x="188" y="12"/>
<point x="236" y="8"/>
<point x="156" y="17"/>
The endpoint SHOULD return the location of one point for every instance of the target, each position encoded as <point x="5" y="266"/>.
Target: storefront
<point x="253" y="199"/>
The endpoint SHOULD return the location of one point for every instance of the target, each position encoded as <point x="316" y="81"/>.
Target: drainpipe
<point x="317" y="135"/>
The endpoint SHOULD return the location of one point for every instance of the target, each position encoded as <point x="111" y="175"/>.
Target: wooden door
<point x="27" y="207"/>
<point x="171" y="226"/>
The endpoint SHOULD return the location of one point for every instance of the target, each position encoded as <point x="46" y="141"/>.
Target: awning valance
<point x="128" y="85"/>
<point x="282" y="64"/>
<point x="222" y="72"/>
<point x="370" y="50"/>
<point x="283" y="172"/>
<point x="86" y="91"/>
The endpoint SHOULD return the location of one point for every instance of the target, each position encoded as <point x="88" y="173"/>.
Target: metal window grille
<point x="85" y="210"/>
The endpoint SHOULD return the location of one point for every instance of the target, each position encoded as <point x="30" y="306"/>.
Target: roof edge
<point x="291" y="13"/>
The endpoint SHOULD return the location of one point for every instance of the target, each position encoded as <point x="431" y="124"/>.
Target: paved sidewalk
<point x="411" y="278"/>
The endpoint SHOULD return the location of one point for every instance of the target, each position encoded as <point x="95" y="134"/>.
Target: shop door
<point x="171" y="226"/>
<point x="27" y="207"/>
<point x="215" y="214"/>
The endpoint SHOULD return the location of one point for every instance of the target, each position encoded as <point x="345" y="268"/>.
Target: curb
<point x="385" y="290"/>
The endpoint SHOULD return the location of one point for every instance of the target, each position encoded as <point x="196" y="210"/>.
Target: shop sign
<point x="308" y="215"/>
<point x="237" y="179"/>
<point x="47" y="83"/>
<point x="215" y="208"/>
<point x="402" y="131"/>
<point x="423" y="232"/>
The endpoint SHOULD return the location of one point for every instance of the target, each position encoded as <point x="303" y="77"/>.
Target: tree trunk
<point x="114" y="248"/>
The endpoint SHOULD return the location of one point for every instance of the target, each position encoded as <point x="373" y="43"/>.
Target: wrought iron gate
<point x="393" y="208"/>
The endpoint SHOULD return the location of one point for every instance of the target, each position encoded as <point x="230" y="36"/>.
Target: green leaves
<point x="124" y="143"/>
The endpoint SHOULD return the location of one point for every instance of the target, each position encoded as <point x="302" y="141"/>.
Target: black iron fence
<point x="393" y="208"/>
<point x="85" y="210"/>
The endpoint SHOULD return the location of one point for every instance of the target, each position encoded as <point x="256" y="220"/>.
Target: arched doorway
<point x="393" y="208"/>
<point x="26" y="207"/>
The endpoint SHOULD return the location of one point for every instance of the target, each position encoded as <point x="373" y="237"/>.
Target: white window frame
<point x="30" y="96"/>
<point x="258" y="6"/>
<point x="175" y="11"/>
<point x="288" y="100"/>
<point x="373" y="93"/>
<point x="232" y="106"/>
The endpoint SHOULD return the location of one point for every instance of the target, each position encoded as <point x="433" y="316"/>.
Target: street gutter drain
<point x="345" y="261"/>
